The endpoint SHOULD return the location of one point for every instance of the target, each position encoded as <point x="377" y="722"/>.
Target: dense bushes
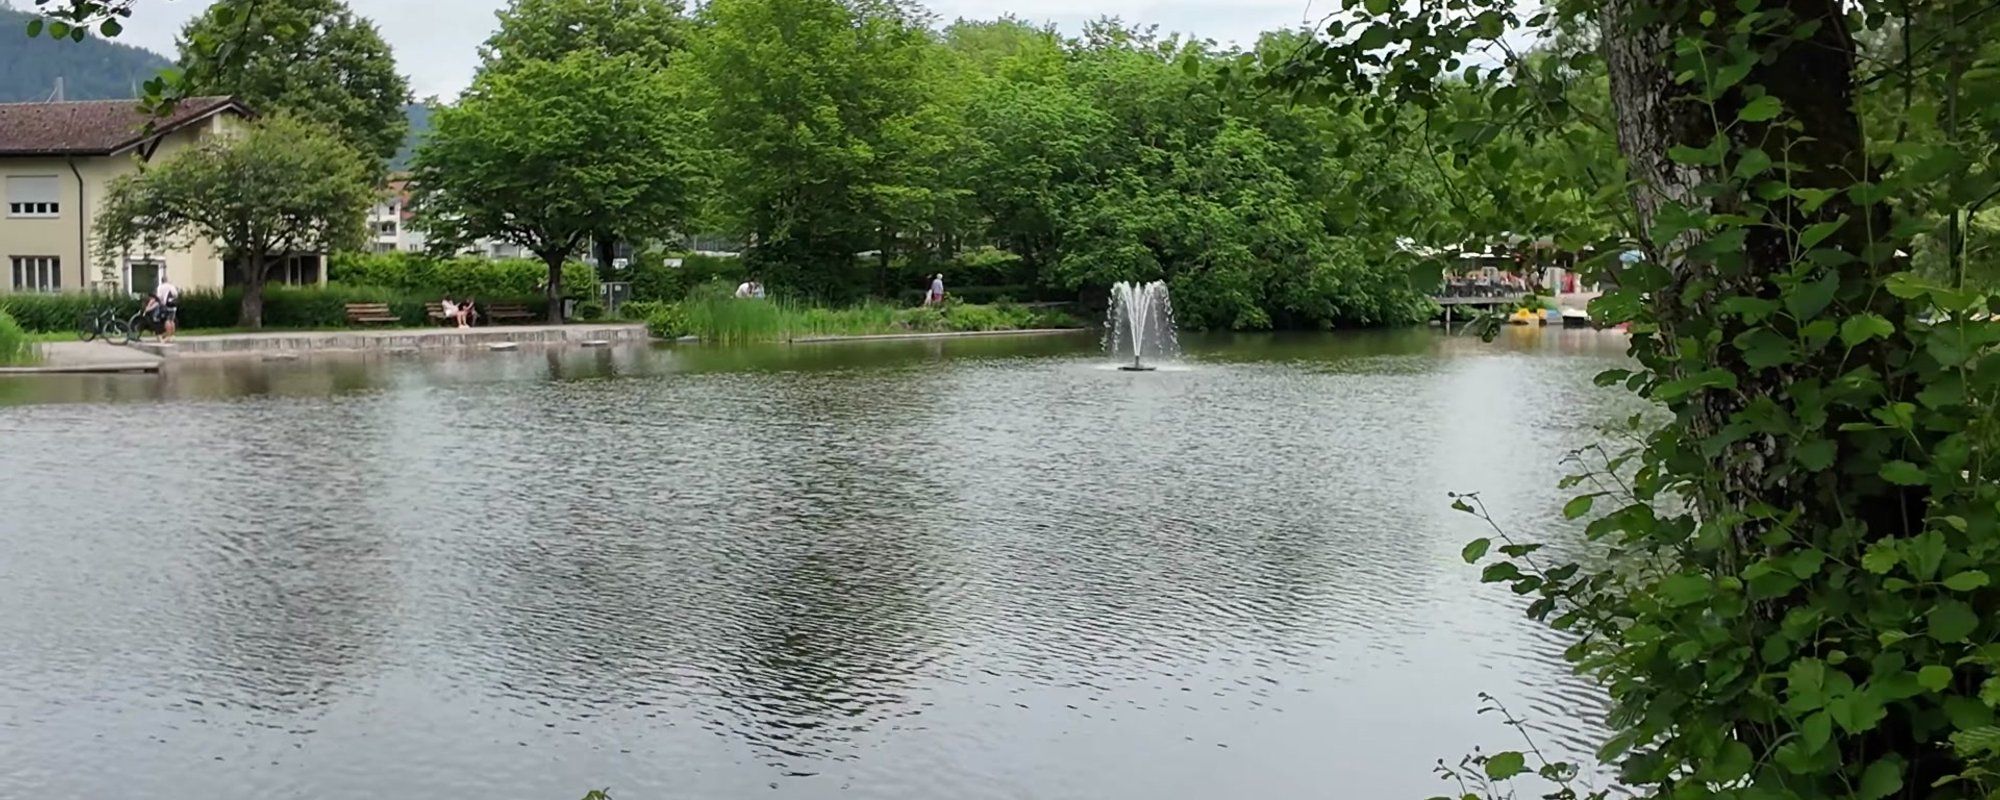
<point x="284" y="306"/>
<point x="14" y="345"/>
<point x="466" y="276"/>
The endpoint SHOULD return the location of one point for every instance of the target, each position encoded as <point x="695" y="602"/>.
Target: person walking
<point x="936" y="294"/>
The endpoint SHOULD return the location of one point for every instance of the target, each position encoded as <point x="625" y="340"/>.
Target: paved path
<point x="61" y="357"/>
<point x="393" y="339"/>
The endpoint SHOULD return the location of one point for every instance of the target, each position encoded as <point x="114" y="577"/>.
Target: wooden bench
<point x="371" y="314"/>
<point x="502" y="312"/>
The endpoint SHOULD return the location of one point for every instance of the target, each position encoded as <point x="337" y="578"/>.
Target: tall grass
<point x="15" y="345"/>
<point x="716" y="316"/>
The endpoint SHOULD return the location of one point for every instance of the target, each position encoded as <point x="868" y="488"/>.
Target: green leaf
<point x="1579" y="506"/>
<point x="34" y="28"/>
<point x="110" y="28"/>
<point x="1753" y="309"/>
<point x="1502" y="766"/>
<point x="1816" y="731"/>
<point x="1760" y="109"/>
<point x="1814" y="234"/>
<point x="1881" y="558"/>
<point x="58" y="30"/>
<point x="1934" y="677"/>
<point x="1967" y="581"/>
<point x="1882" y="779"/>
<point x="1686" y="590"/>
<point x="1862" y="327"/>
<point x="1906" y="286"/>
<point x="1856" y="713"/>
<point x="1733" y="762"/>
<point x="1752" y="164"/>
<point x="1952" y="621"/>
<point x="1806" y="299"/>
<point x="1903" y="473"/>
<point x="1476" y="550"/>
<point x="1815" y="455"/>
<point x="1763" y="348"/>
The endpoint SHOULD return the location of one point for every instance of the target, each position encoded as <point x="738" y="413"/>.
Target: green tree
<point x="823" y="115"/>
<point x="285" y="186"/>
<point x="1797" y="566"/>
<point x="314" y="59"/>
<point x="651" y="31"/>
<point x="549" y="153"/>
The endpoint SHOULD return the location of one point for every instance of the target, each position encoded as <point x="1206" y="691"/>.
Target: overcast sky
<point x="436" y="40"/>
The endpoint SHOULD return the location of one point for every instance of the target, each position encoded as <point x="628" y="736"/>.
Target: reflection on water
<point x="969" y="568"/>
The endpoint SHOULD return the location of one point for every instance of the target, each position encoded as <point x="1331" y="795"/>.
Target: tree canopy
<point x="650" y="31"/>
<point x="313" y="59"/>
<point x="548" y="153"/>
<point x="284" y="186"/>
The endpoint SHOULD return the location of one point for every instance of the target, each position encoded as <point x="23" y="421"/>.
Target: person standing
<point x="936" y="295"/>
<point x="167" y="299"/>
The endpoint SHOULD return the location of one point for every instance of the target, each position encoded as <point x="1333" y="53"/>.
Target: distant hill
<point x="92" y="69"/>
<point x="419" y="117"/>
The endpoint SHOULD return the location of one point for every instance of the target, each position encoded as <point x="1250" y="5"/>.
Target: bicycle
<point x="143" y="322"/>
<point x="103" y="322"/>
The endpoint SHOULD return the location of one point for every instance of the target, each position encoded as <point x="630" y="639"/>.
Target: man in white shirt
<point x="746" y="290"/>
<point x="168" y="296"/>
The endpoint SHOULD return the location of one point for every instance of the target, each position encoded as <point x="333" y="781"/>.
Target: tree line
<point x="853" y="145"/>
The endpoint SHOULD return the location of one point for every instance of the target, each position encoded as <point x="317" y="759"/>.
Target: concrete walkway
<point x="394" y="339"/>
<point x="72" y="357"/>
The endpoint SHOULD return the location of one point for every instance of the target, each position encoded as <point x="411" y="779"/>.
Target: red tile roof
<point x="96" y="127"/>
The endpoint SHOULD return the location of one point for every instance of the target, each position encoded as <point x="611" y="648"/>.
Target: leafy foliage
<point x="1789" y="602"/>
<point x="550" y="152"/>
<point x="15" y="348"/>
<point x="312" y="59"/>
<point x="547" y="30"/>
<point x="283" y="186"/>
<point x="462" y="277"/>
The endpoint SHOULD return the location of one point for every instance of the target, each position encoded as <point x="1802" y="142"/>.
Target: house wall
<point x="196" y="266"/>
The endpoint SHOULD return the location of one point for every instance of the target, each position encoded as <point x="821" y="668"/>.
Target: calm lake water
<point x="965" y="569"/>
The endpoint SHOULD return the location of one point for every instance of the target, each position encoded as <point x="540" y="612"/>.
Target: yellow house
<point x="56" y="160"/>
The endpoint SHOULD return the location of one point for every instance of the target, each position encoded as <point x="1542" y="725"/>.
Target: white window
<point x="143" y="276"/>
<point x="37" y="274"/>
<point x="34" y="196"/>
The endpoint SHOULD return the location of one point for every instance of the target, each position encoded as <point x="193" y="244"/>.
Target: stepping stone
<point x="596" y="343"/>
<point x="503" y="346"/>
<point x="281" y="356"/>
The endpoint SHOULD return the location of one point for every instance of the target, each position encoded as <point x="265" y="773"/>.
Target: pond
<point x="969" y="568"/>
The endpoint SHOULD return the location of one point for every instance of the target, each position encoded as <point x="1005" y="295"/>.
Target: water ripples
<point x="906" y="572"/>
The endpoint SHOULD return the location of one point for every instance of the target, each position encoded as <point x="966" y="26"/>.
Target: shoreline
<point x="893" y="337"/>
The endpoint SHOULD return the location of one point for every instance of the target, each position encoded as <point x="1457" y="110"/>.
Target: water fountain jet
<point x="1141" y="325"/>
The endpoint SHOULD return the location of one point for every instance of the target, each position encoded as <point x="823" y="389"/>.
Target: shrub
<point x="464" y="276"/>
<point x="640" y="310"/>
<point x="590" y="311"/>
<point x="14" y="345"/>
<point x="284" y="306"/>
<point x="667" y="321"/>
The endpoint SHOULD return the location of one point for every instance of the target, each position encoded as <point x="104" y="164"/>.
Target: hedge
<point x="284" y="306"/>
<point x="466" y="276"/>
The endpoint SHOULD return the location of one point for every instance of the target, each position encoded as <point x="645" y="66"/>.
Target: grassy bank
<point x="728" y="320"/>
<point x="17" y="348"/>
